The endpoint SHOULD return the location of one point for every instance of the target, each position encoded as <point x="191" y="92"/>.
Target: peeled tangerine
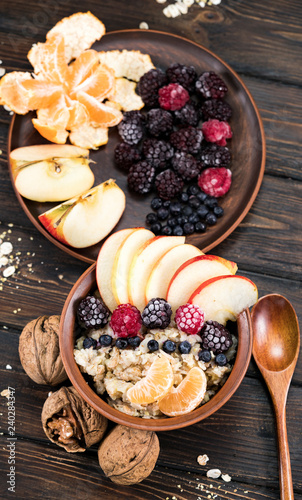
<point x="155" y="385"/>
<point x="51" y="172"/>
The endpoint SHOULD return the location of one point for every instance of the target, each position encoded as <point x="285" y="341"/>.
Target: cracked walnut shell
<point x="70" y="422"/>
<point x="39" y="351"/>
<point x="127" y="456"/>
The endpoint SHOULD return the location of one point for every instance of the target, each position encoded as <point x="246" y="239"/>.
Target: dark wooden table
<point x="262" y="42"/>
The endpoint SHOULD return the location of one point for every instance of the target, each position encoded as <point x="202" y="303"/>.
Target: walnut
<point x="39" y="351"/>
<point x="70" y="422"/>
<point x="127" y="456"/>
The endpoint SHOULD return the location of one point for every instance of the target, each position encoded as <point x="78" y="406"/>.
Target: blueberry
<point x="183" y="197"/>
<point x="182" y="220"/>
<point x="178" y="231"/>
<point x="200" y="227"/>
<point x="202" y="211"/>
<point x="175" y="208"/>
<point x="162" y="213"/>
<point x="105" y="340"/>
<point x="204" y="356"/>
<point x="187" y="210"/>
<point x="218" y="211"/>
<point x="194" y="202"/>
<point x="202" y="196"/>
<point x="189" y="228"/>
<point x="156" y="203"/>
<point x="89" y="342"/>
<point x="151" y="218"/>
<point x="134" y="341"/>
<point x="211" y="201"/>
<point x="167" y="231"/>
<point x="156" y="227"/>
<point x="211" y="219"/>
<point x="166" y="204"/>
<point x="153" y="345"/>
<point x="121" y="343"/>
<point x="169" y="346"/>
<point x="193" y="218"/>
<point x="193" y="190"/>
<point x="172" y="221"/>
<point x="221" y="360"/>
<point x="184" y="347"/>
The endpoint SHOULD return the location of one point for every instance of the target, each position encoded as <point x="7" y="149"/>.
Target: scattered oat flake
<point x="61" y="276"/>
<point x="8" y="367"/>
<point x="3" y="261"/>
<point x="6" y="248"/>
<point x="143" y="26"/>
<point x="202" y="459"/>
<point x="226" y="477"/>
<point x="246" y="491"/>
<point x="5" y="393"/>
<point x="9" y="271"/>
<point x="214" y="473"/>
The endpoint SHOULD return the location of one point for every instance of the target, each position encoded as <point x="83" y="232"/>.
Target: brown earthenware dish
<point x="87" y="283"/>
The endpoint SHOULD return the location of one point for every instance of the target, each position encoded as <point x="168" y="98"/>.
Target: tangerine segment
<point x="77" y="114"/>
<point x="13" y="93"/>
<point x="187" y="396"/>
<point x="51" y="133"/>
<point x="99" y="84"/>
<point x="83" y="67"/>
<point x="41" y="94"/>
<point x="155" y="385"/>
<point x="99" y="113"/>
<point x="56" y="115"/>
<point x="49" y="59"/>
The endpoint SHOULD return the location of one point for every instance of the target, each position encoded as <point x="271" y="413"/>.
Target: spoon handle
<point x="285" y="473"/>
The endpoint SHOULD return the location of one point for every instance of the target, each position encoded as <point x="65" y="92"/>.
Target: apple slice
<point x="223" y="298"/>
<point x="51" y="172"/>
<point x="104" y="265"/>
<point x="88" y="218"/>
<point x="123" y="260"/>
<point x="165" y="268"/>
<point x="194" y="272"/>
<point x="143" y="263"/>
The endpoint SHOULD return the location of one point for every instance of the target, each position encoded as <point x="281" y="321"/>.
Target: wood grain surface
<point x="262" y="42"/>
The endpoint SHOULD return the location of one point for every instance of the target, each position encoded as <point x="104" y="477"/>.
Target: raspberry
<point x="131" y="128"/>
<point x="140" y="177"/>
<point x="185" y="165"/>
<point x="157" y="152"/>
<point x="216" y="131"/>
<point x="168" y="184"/>
<point x="211" y="86"/>
<point x="173" y="97"/>
<point x="92" y="313"/>
<point x="215" y="337"/>
<point x="126" y="321"/>
<point x="215" y="181"/>
<point x="187" y="116"/>
<point x="184" y="75"/>
<point x="159" y="122"/>
<point x="149" y="84"/>
<point x="215" y="156"/>
<point x="187" y="139"/>
<point x="215" y="108"/>
<point x="189" y="319"/>
<point x="125" y="155"/>
<point x="157" y="314"/>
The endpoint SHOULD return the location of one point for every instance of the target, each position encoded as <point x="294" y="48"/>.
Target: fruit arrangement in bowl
<point x="150" y="328"/>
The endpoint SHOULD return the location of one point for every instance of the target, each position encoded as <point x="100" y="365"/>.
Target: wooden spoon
<point x="275" y="349"/>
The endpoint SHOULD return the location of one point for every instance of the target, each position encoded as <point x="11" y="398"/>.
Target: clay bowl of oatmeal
<point x="104" y="374"/>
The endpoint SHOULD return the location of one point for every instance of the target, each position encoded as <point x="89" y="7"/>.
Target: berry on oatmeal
<point x="184" y="347"/>
<point x="169" y="346"/>
<point x="173" y="97"/>
<point x="215" y="181"/>
<point x="157" y="314"/>
<point x="126" y="321"/>
<point x="221" y="359"/>
<point x="92" y="313"/>
<point x="215" y="337"/>
<point x="216" y="131"/>
<point x="121" y="343"/>
<point x="89" y="342"/>
<point x="210" y="86"/>
<point x="204" y="356"/>
<point x="189" y="319"/>
<point x="153" y="345"/>
<point x="134" y="341"/>
<point x="105" y="340"/>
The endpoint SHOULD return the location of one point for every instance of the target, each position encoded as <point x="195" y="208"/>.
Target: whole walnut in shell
<point x="127" y="456"/>
<point x="70" y="422"/>
<point x="39" y="351"/>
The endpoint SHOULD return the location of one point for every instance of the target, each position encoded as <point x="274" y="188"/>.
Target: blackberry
<point x="105" y="340"/>
<point x="157" y="314"/>
<point x="187" y="116"/>
<point x="134" y="341"/>
<point x="167" y="230"/>
<point x="218" y="211"/>
<point x="131" y="128"/>
<point x="125" y="155"/>
<point x="183" y="197"/>
<point x="193" y="189"/>
<point x="157" y="152"/>
<point x="211" y="219"/>
<point x="121" y="343"/>
<point x="156" y="228"/>
<point x="156" y="203"/>
<point x="215" y="156"/>
<point x="89" y="342"/>
<point x="92" y="313"/>
<point x="188" y="228"/>
<point x="169" y="346"/>
<point x="215" y="337"/>
<point x="178" y="231"/>
<point x="162" y="213"/>
<point x="175" y="208"/>
<point x="172" y="221"/>
<point x="168" y="184"/>
<point x="159" y="122"/>
<point x="184" y="347"/>
<point x="202" y="211"/>
<point x="153" y="345"/>
<point x="221" y="359"/>
<point x="204" y="356"/>
<point x="141" y="176"/>
<point x="187" y="139"/>
<point x="200" y="227"/>
<point x="151" y="218"/>
<point x="210" y="86"/>
<point x="149" y="84"/>
<point x="217" y="109"/>
<point x="184" y="75"/>
<point x="185" y="165"/>
<point x="194" y="202"/>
